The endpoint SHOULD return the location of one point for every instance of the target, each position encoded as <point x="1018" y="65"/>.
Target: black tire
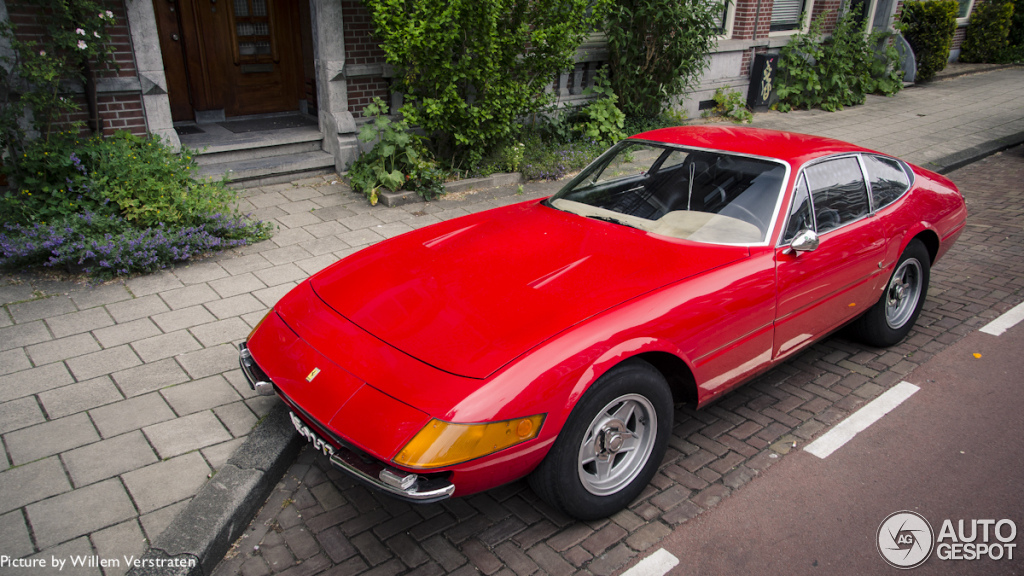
<point x="885" y="324"/>
<point x="583" y="490"/>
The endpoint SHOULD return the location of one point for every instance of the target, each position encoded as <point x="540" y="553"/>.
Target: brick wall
<point x="24" y="17"/>
<point x="746" y="13"/>
<point x="958" y="37"/>
<point x="122" y="112"/>
<point x="362" y="90"/>
<point x="831" y="7"/>
<point x="361" y="47"/>
<point x="119" y="111"/>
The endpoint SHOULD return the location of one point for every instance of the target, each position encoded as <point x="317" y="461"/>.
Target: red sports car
<point x="551" y="338"/>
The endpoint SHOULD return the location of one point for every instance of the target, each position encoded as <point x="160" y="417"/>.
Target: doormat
<point x="186" y="130"/>
<point x="264" y="124"/>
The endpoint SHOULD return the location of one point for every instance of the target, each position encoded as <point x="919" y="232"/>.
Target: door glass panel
<point x="838" y="191"/>
<point x="888" y="180"/>
<point x="800" y="215"/>
<point x="252" y="27"/>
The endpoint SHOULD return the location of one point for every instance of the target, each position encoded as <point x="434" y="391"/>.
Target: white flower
<point x="110" y="14"/>
<point x="96" y="34"/>
<point x="82" y="45"/>
<point x="42" y="52"/>
<point x="79" y="31"/>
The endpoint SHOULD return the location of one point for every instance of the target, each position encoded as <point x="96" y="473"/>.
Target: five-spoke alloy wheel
<point x="611" y="445"/>
<point x="892" y="317"/>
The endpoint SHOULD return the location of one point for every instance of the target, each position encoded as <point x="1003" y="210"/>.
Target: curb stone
<point x="392" y="199"/>
<point x="200" y="535"/>
<point x="958" y="160"/>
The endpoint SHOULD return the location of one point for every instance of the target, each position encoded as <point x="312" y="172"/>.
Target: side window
<point x="800" y="214"/>
<point x="888" y="180"/>
<point x="838" y="191"/>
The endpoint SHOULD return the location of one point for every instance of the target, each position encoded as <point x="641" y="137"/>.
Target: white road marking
<point x="1008" y="320"/>
<point x="860" y="420"/>
<point x="654" y="565"/>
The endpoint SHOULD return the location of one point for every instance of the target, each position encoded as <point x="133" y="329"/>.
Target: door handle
<point x="174" y="37"/>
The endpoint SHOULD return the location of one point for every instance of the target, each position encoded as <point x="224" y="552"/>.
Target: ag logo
<point x="905" y="539"/>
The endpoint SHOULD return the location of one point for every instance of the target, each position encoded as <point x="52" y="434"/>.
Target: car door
<point x="820" y="289"/>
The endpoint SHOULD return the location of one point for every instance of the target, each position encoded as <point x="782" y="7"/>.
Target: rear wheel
<point x="892" y="317"/>
<point x="611" y="445"/>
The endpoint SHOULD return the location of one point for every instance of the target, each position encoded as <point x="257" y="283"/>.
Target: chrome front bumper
<point x="258" y="380"/>
<point x="363" y="468"/>
<point x="398" y="483"/>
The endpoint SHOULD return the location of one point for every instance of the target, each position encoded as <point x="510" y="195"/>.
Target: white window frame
<point x="730" y="17"/>
<point x="960" y="22"/>
<point x="802" y="28"/>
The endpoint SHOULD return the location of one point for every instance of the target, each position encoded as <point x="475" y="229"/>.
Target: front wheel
<point x="611" y="445"/>
<point x="892" y="317"/>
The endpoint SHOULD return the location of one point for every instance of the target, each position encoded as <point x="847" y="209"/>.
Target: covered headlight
<point x="442" y="443"/>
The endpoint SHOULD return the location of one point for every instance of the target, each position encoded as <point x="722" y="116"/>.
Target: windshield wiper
<point x="612" y="220"/>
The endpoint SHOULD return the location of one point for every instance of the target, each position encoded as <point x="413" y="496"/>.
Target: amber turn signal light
<point x="442" y="443"/>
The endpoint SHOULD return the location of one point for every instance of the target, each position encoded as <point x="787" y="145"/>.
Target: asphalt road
<point x="952" y="450"/>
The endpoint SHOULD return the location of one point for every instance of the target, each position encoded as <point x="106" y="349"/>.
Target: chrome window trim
<point x="803" y="173"/>
<point x="779" y="195"/>
<point x="907" y="171"/>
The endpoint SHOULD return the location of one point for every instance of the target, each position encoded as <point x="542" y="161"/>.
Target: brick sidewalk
<point x="318" y="521"/>
<point x="118" y="402"/>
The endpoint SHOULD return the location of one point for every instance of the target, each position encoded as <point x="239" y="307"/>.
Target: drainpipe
<point x="95" y="122"/>
<point x="757" y="16"/>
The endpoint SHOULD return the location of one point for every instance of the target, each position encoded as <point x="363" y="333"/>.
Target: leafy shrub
<point x="658" y="49"/>
<point x="928" y="26"/>
<point x="397" y="160"/>
<point x="987" y="32"/>
<point x="838" y="71"/>
<point x="601" y="118"/>
<point x="107" y="246"/>
<point x="730" y="104"/>
<point x="1014" y="52"/>
<point x="74" y="43"/>
<point x="469" y="69"/>
<point x="667" y="119"/>
<point x="553" y="161"/>
<point x="118" y="205"/>
<point x="135" y="176"/>
<point x="512" y="156"/>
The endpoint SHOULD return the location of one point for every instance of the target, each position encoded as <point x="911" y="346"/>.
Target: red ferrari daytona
<point x="551" y="338"/>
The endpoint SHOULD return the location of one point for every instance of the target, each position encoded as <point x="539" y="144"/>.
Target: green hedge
<point x="929" y="26"/>
<point x="987" y="32"/>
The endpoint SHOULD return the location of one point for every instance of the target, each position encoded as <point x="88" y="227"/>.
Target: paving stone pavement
<point x="317" y="521"/>
<point x="118" y="401"/>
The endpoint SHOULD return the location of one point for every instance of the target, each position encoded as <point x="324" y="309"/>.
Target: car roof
<point x="789" y="146"/>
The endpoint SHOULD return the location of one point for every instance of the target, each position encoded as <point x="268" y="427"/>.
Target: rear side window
<point x="838" y="192"/>
<point x="888" y="180"/>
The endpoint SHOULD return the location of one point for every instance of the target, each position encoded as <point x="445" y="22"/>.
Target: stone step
<point x="267" y="151"/>
<point x="268" y="170"/>
<point x="217" y="145"/>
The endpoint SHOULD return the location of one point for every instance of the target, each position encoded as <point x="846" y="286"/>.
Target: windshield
<point x="698" y="195"/>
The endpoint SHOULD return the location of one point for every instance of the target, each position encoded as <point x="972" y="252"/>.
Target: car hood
<point x="469" y="295"/>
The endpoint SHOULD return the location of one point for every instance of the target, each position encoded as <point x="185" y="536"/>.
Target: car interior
<point x="694" y="195"/>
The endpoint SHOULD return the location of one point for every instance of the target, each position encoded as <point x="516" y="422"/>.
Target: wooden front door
<point x="240" y="56"/>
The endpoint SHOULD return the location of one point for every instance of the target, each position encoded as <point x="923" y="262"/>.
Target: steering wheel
<point x="756" y="221"/>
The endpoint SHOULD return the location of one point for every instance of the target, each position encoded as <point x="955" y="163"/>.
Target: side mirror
<point x="804" y="241"/>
